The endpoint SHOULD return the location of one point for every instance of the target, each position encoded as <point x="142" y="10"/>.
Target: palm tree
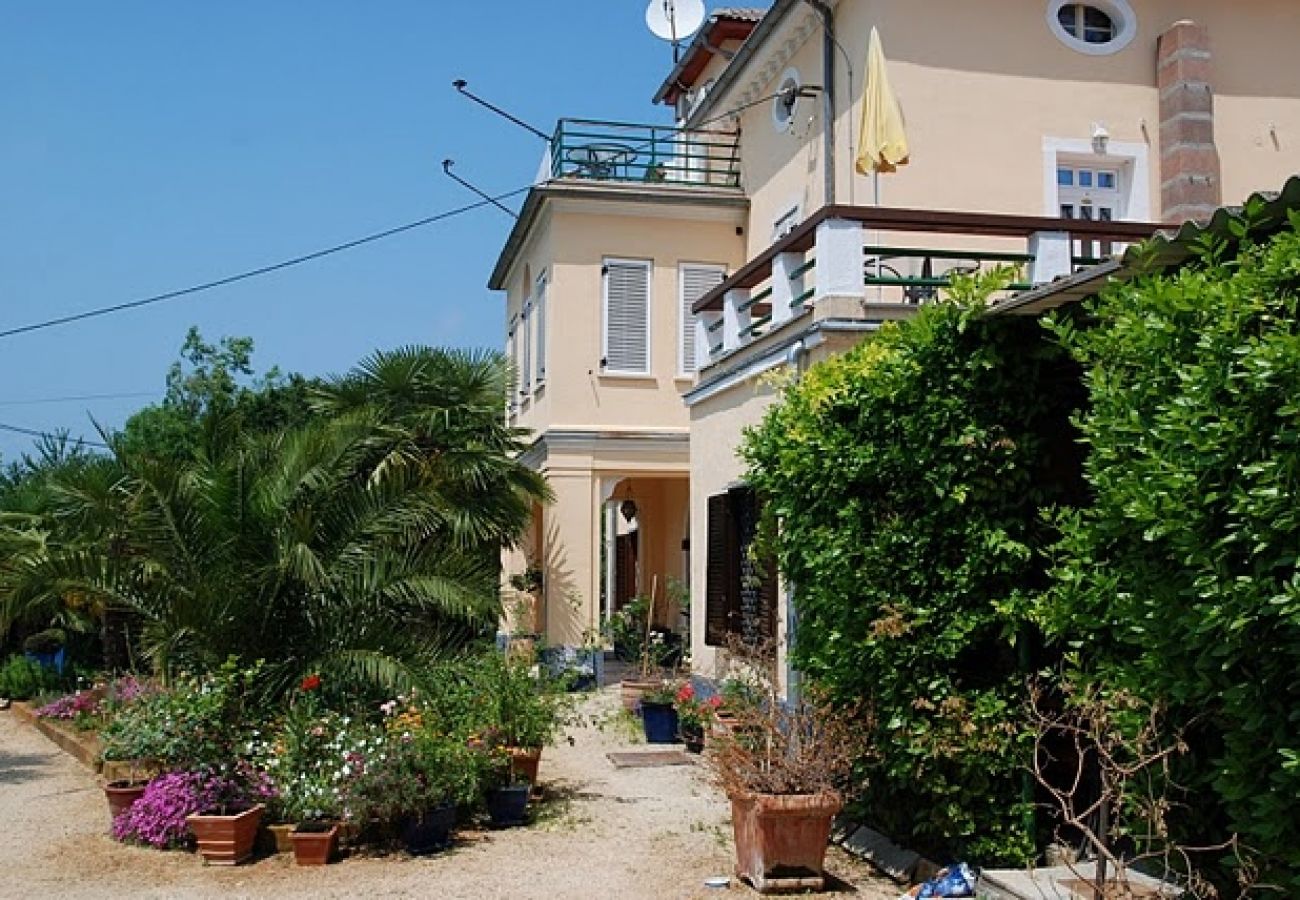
<point x="357" y="546"/>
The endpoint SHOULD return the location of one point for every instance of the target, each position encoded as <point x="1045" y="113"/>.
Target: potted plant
<point x="659" y="713"/>
<point x="694" y="716"/>
<point x="230" y="808"/>
<point x="416" y="784"/>
<point x="631" y="628"/>
<point x="507" y="793"/>
<point x="784" y="767"/>
<point x="517" y="710"/>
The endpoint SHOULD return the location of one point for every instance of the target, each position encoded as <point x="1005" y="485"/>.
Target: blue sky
<point x="148" y="146"/>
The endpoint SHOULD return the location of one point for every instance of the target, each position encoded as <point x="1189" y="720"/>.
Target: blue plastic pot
<point x="508" y="806"/>
<point x="660" y="721"/>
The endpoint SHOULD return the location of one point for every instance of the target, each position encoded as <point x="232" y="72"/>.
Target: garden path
<point x="603" y="832"/>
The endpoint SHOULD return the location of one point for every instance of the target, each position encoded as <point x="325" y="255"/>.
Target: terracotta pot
<point x="314" y="844"/>
<point x="275" y="838"/>
<point x="524" y="763"/>
<point x="633" y="690"/>
<point x="781" y="840"/>
<point x="122" y="795"/>
<point x="227" y="840"/>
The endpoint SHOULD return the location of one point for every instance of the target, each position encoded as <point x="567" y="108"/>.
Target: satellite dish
<point x="674" y="20"/>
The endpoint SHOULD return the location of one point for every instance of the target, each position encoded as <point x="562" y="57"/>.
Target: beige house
<point x="1046" y="134"/>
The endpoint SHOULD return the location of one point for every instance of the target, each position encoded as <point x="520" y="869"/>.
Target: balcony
<point x="876" y="263"/>
<point x="644" y="154"/>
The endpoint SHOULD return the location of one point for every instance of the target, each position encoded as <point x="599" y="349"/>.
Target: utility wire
<point x="78" y="398"/>
<point x="30" y="432"/>
<point x="263" y="270"/>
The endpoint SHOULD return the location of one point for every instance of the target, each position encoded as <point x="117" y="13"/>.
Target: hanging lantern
<point x="628" y="509"/>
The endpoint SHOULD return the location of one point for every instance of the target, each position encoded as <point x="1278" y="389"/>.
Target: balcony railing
<point x="870" y="254"/>
<point x="648" y="154"/>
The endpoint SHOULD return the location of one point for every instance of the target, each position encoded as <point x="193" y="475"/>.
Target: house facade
<point x="1044" y="134"/>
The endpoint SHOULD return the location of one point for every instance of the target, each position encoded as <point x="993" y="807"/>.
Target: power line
<point x="30" y="432"/>
<point x="263" y="270"/>
<point x="78" y="398"/>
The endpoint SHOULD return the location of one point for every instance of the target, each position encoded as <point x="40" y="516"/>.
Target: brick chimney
<point x="1189" y="161"/>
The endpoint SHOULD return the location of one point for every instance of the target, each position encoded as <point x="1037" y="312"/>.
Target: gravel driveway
<point x="603" y="832"/>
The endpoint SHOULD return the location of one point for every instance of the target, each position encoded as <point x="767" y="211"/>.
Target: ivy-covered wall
<point x="1180" y="581"/>
<point x="908" y="478"/>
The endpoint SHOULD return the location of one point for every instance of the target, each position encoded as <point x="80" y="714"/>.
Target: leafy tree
<point x="355" y="546"/>
<point x="216" y="380"/>
<point x="1179" y="582"/>
<point x="903" y="484"/>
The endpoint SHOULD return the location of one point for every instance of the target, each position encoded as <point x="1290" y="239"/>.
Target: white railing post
<point x="1052" y="253"/>
<point x="783" y="286"/>
<point x="839" y="271"/>
<point x="703" y="343"/>
<point x="735" y="321"/>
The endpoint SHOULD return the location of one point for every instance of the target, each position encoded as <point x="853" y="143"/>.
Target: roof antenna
<point x="446" y="167"/>
<point x="674" y="21"/>
<point x="460" y="84"/>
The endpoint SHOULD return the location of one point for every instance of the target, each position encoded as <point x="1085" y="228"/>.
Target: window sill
<point x="627" y="376"/>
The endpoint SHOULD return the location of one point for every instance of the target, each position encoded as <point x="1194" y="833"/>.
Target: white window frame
<point x="648" y="265"/>
<point x="1131" y="160"/>
<point x="539" y="350"/>
<point x="686" y="320"/>
<point x="512" y="350"/>
<point x="1120" y="12"/>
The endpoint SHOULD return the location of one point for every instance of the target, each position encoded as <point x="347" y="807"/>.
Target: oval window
<point x="1097" y="28"/>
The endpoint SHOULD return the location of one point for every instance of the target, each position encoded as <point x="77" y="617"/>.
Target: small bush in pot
<point x="695" y="715"/>
<point x="785" y="765"/>
<point x="659" y="713"/>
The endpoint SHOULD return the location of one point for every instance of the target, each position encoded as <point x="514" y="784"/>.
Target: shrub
<point x="1180" y="583"/>
<point x="46" y="642"/>
<point x="198" y="722"/>
<point x="908" y="478"/>
<point x="23" y="679"/>
<point x="413" y="772"/>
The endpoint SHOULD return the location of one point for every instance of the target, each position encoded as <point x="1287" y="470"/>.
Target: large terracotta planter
<point x="632" y="690"/>
<point x="781" y="840"/>
<point x="524" y="763"/>
<point x="226" y="840"/>
<point x="122" y="795"/>
<point x="314" y="845"/>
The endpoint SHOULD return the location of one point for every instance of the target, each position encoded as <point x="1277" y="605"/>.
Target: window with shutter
<point x="722" y="577"/>
<point x="539" y="313"/>
<point x="741" y="589"/>
<point x="512" y="357"/>
<point x="627" y="317"/>
<point x="694" y="281"/>
<point x="526" y="363"/>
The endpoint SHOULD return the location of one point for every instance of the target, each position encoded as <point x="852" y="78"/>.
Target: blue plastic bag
<point x="955" y="881"/>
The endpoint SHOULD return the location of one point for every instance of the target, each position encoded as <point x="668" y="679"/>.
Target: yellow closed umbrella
<point x="883" y="147"/>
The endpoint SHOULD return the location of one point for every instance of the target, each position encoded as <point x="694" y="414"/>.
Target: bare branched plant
<point x="774" y="745"/>
<point x="1105" y="760"/>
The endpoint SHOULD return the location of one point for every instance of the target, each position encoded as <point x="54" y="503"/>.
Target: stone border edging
<point x="82" y="747"/>
<point x="904" y="866"/>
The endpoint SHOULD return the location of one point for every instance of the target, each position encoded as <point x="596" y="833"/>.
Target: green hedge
<point x="1180" y="581"/>
<point x="908" y="478"/>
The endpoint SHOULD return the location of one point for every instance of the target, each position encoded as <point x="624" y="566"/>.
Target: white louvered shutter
<point x="627" y="316"/>
<point x="539" y="313"/>
<point x="526" y="364"/>
<point x="512" y="347"/>
<point x="695" y="281"/>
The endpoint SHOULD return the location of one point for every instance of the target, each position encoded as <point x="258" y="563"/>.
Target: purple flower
<point x="70" y="707"/>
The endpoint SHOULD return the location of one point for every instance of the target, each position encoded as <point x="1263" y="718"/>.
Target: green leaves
<point x="1180" y="579"/>
<point x="908" y="478"/>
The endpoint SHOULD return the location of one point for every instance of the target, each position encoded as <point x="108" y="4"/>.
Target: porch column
<point x="611" y="556"/>
<point x="735" y="321"/>
<point x="1053" y="256"/>
<point x="840" y="260"/>
<point x="783" y="286"/>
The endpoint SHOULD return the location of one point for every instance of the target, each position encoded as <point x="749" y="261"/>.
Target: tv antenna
<point x="674" y="21"/>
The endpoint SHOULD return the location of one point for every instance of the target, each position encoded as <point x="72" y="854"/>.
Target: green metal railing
<point x="651" y="154"/>
<point x="938" y="267"/>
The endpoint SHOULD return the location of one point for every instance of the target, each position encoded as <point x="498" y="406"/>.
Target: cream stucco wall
<point x="983" y="84"/>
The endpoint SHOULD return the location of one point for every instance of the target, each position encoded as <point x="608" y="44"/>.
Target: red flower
<point x="715" y="701"/>
<point x="310" y="683"/>
<point x="686" y="693"/>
